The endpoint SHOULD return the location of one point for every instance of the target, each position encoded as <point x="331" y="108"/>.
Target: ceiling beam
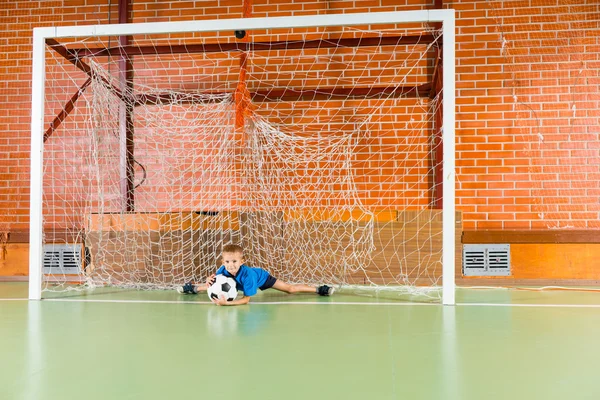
<point x="407" y="40"/>
<point x="286" y="94"/>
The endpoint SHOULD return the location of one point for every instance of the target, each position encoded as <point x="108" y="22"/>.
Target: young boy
<point x="250" y="279"/>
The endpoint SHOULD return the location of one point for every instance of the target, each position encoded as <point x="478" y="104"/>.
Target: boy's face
<point x="233" y="262"/>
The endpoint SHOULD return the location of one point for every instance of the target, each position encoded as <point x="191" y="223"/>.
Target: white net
<point x="313" y="148"/>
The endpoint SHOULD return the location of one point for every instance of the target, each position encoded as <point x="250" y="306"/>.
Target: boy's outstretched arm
<point x="222" y="302"/>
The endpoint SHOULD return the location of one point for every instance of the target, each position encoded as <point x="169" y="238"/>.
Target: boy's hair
<point x="233" y="248"/>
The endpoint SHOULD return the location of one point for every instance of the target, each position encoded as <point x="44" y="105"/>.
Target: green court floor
<point x="125" y="344"/>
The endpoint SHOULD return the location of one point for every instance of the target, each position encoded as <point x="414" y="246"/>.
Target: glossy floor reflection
<point x="306" y="348"/>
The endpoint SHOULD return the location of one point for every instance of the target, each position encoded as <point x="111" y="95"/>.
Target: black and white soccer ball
<point x="223" y="286"/>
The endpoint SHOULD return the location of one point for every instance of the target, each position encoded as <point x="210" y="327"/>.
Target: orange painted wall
<point x="564" y="261"/>
<point x="14" y="260"/>
<point x="528" y="99"/>
<point x="546" y="264"/>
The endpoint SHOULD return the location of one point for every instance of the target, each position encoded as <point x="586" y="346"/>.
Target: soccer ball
<point x="223" y="286"/>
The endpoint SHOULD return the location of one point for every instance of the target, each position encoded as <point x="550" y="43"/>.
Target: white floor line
<point x="530" y="305"/>
<point x="343" y="303"/>
<point x="126" y="301"/>
<point x="254" y="302"/>
<point x="318" y="303"/>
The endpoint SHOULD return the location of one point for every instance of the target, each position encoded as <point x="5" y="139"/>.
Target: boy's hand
<point x="210" y="280"/>
<point x="221" y="301"/>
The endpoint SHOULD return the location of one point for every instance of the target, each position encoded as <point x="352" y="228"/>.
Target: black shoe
<point x="188" y="288"/>
<point x="325" y="290"/>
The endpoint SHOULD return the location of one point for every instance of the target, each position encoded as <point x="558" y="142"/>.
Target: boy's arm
<point x="222" y="302"/>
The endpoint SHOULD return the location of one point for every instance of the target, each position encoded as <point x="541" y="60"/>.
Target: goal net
<point x="317" y="148"/>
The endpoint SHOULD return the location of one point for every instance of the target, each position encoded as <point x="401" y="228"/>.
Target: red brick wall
<point x="528" y="99"/>
<point x="529" y="114"/>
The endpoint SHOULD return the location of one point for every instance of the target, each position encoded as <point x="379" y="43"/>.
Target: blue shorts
<point x="268" y="283"/>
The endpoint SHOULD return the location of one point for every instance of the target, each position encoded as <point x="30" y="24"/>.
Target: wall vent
<point x="62" y="259"/>
<point x="486" y="260"/>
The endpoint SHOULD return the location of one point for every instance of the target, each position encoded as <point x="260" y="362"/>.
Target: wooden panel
<point x="14" y="259"/>
<point x="509" y="282"/>
<point x="409" y="245"/>
<point x="50" y="236"/>
<point x="407" y="250"/>
<point x="548" y="264"/>
<point x="155" y="256"/>
<point x="543" y="258"/>
<point x="161" y="221"/>
<point x="313" y="214"/>
<point x="262" y="238"/>
<point x="547" y="236"/>
<point x="565" y="261"/>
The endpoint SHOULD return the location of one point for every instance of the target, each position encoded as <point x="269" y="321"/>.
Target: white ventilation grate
<point x="62" y="259"/>
<point x="486" y="260"/>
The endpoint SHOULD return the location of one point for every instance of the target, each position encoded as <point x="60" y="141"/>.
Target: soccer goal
<point x="323" y="144"/>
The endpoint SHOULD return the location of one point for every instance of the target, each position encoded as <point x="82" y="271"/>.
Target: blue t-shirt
<point x="248" y="279"/>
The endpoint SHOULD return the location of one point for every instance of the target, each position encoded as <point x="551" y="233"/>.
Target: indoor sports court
<point x="495" y="344"/>
<point x="430" y="168"/>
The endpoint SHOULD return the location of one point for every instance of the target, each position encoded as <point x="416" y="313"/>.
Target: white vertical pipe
<point x="37" y="143"/>
<point x="448" y="137"/>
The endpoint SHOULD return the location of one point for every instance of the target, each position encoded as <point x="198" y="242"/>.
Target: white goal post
<point x="39" y="117"/>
